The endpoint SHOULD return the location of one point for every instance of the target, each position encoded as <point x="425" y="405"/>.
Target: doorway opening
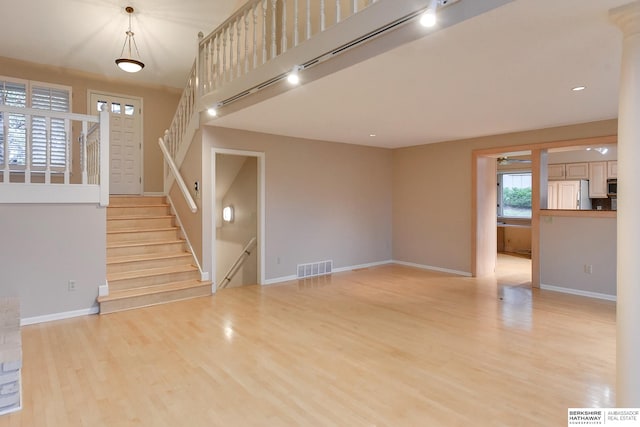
<point x="237" y="218"/>
<point x="503" y="200"/>
<point x="514" y="184"/>
<point x="125" y="140"/>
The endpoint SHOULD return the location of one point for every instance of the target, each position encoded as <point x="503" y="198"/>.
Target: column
<point x="627" y="18"/>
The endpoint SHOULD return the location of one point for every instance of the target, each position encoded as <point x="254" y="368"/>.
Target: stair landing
<point x="148" y="261"/>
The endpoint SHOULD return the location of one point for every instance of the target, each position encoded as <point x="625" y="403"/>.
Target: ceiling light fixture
<point x="293" y="77"/>
<point x="578" y="88"/>
<point x="129" y="63"/>
<point x="213" y="111"/>
<point x="429" y="18"/>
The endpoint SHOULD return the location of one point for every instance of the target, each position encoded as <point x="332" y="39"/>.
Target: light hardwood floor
<point x="387" y="346"/>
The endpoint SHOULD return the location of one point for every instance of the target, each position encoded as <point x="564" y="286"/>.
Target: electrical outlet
<point x="588" y="268"/>
<point x="72" y="285"/>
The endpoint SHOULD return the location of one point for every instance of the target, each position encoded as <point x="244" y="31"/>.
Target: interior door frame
<point x="91" y="92"/>
<point x="484" y="225"/>
<point x="261" y="223"/>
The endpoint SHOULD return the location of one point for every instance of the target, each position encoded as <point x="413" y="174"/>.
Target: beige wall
<point x="191" y="171"/>
<point x="432" y="193"/>
<point x="323" y="200"/>
<point x="570" y="244"/>
<point x="45" y="246"/>
<point x="159" y="105"/>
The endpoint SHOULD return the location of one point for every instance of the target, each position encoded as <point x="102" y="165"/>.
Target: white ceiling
<point x="88" y="35"/>
<point x="507" y="70"/>
<point x="510" y="69"/>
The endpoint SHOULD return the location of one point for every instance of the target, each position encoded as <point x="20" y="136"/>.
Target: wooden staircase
<point x="148" y="261"/>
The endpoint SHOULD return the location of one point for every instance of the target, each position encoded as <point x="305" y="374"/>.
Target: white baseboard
<point x="279" y="280"/>
<point x="359" y="266"/>
<point x="578" y="292"/>
<point x="430" y="267"/>
<point x="103" y="290"/>
<point x="153" y="193"/>
<point x="335" y="270"/>
<point x="59" y="316"/>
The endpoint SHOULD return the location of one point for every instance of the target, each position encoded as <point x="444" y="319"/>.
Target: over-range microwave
<point x="612" y="187"/>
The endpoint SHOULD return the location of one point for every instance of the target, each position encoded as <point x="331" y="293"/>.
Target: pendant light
<point x="129" y="63"/>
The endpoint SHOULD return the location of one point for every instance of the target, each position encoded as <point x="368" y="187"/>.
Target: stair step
<point x="153" y="295"/>
<point x="147" y="261"/>
<point x="136" y="200"/>
<point x="136" y="222"/>
<point x="137" y="210"/>
<point x="143" y="235"/>
<point x="152" y="276"/>
<point x="147" y="248"/>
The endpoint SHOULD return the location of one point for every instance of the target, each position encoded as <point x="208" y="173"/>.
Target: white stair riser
<point x="144" y="223"/>
<point x="143" y="236"/>
<point x="187" y="259"/>
<point x="141" y="282"/>
<point x="116" y="211"/>
<point x="147" y="250"/>
<point x="153" y="299"/>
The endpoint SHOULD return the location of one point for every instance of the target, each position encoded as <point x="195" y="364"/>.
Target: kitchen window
<point x="514" y="195"/>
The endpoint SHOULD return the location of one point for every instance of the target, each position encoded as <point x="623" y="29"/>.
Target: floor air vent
<point x="314" y="269"/>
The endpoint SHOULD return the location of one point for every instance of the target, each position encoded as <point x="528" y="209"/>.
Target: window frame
<point x="58" y="162"/>
<point x="500" y="188"/>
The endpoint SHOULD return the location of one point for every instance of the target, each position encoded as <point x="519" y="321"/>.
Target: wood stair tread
<point x="151" y="272"/>
<point x="149" y="243"/>
<point x="141" y="230"/>
<point x="142" y="205"/>
<point x="129" y="217"/>
<point x="147" y="257"/>
<point x="149" y="290"/>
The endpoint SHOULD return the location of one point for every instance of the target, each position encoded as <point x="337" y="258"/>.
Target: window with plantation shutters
<point x="14" y="126"/>
<point x="45" y="98"/>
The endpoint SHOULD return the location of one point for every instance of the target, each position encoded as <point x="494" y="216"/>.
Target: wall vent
<point x="314" y="269"/>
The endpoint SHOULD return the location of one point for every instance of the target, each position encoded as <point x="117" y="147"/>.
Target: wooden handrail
<point x="236" y="265"/>
<point x="176" y="174"/>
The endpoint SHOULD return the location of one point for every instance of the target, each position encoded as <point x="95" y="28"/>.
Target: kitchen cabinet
<point x="576" y="170"/>
<point x="563" y="195"/>
<point x="612" y="169"/>
<point x="555" y="171"/>
<point x="598" y="180"/>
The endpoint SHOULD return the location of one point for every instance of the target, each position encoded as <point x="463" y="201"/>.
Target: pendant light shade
<point x="127" y="62"/>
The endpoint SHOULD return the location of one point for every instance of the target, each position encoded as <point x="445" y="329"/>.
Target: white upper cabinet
<point x="598" y="180"/>
<point x="576" y="170"/>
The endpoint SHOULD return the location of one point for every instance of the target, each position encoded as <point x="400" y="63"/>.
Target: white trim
<point x="261" y="207"/>
<point x="279" y="280"/>
<point x="103" y="290"/>
<point x="360" y="266"/>
<point x="429" y="267"/>
<point x="154" y="193"/>
<point x="178" y="177"/>
<point x="579" y="292"/>
<point x="335" y="270"/>
<point x="49" y="193"/>
<point x="59" y="316"/>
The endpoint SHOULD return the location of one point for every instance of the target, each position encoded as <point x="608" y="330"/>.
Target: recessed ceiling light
<point x="372" y="135"/>
<point x="578" y="88"/>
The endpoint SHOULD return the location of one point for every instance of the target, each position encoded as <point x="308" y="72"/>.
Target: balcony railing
<point x="37" y="148"/>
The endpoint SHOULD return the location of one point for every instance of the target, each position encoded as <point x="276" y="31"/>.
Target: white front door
<point x="125" y="148"/>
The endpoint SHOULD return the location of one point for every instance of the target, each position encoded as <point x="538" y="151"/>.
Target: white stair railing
<point x="36" y="148"/>
<point x="258" y="32"/>
<point x="173" y="168"/>
<point x="236" y="265"/>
